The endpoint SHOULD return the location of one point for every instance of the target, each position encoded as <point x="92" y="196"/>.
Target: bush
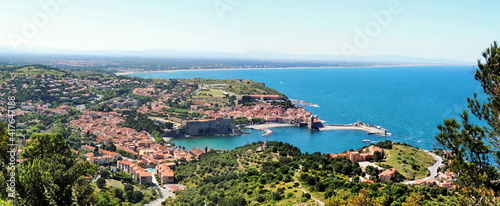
<point x="128" y="187"/>
<point x="306" y="195"/>
<point x="101" y="182"/>
<point x="137" y="196"/>
<point x="118" y="193"/>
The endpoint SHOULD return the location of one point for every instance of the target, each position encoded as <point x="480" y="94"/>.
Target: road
<point x="97" y="177"/>
<point x="432" y="169"/>
<point x="165" y="193"/>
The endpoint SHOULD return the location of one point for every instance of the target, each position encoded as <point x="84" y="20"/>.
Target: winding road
<point x="432" y="169"/>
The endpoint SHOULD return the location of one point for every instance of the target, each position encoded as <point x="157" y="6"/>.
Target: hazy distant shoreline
<point x="236" y="68"/>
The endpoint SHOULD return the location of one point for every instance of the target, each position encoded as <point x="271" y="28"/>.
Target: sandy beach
<point x="267" y="127"/>
<point x="237" y="68"/>
<point x="270" y="125"/>
<point x="221" y="69"/>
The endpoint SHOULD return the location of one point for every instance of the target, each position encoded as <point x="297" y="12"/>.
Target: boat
<point x="367" y="140"/>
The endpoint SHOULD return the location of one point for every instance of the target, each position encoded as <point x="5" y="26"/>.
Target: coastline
<point x="266" y="127"/>
<point x="255" y="68"/>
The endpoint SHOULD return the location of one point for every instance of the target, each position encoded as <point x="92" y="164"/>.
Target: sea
<point x="407" y="101"/>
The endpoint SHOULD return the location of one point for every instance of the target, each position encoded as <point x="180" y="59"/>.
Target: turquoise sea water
<point x="408" y="101"/>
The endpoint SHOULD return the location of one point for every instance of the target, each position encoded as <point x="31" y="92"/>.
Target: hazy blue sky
<point x="459" y="29"/>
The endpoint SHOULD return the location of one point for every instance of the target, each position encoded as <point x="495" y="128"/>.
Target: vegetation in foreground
<point x="473" y="146"/>
<point x="282" y="175"/>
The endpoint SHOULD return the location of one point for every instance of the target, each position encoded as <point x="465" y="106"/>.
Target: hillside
<point x="50" y="95"/>
<point x="79" y="108"/>
<point x="282" y="175"/>
<point x="411" y="162"/>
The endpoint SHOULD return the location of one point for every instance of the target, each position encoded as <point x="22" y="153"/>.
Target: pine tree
<point x="472" y="145"/>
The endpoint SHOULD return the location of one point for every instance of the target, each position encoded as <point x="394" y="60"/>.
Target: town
<point x="124" y="124"/>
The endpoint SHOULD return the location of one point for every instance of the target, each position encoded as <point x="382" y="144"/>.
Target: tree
<point x="104" y="199"/>
<point x="83" y="192"/>
<point x="336" y="201"/>
<point x="488" y="74"/>
<point x="469" y="153"/>
<point x="4" y="158"/>
<point x="415" y="199"/>
<point x="118" y="193"/>
<point x="372" y="171"/>
<point x="361" y="199"/>
<point x="105" y="174"/>
<point x="101" y="182"/>
<point x="130" y="195"/>
<point x="5" y="203"/>
<point x="137" y="196"/>
<point x="48" y="145"/>
<point x="476" y="196"/>
<point x="128" y="187"/>
<point x="468" y="143"/>
<point x="378" y="156"/>
<point x="472" y="145"/>
<point x="50" y="174"/>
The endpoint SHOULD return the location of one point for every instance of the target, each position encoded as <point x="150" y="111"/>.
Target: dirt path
<point x="319" y="202"/>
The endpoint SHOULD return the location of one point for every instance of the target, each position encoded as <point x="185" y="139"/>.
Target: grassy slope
<point x="213" y="92"/>
<point x="240" y="87"/>
<point x="30" y="70"/>
<point x="403" y="157"/>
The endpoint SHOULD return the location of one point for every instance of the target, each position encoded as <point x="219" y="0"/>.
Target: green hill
<point x="282" y="175"/>
<point x="411" y="162"/>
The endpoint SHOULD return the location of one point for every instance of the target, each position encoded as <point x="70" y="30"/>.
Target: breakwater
<point x="370" y="129"/>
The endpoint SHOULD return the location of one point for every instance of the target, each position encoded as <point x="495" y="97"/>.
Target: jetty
<point x="370" y="129"/>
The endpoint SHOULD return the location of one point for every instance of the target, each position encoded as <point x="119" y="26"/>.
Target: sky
<point x="459" y="29"/>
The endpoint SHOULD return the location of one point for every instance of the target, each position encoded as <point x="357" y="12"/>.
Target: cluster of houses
<point x="269" y="113"/>
<point x="443" y="180"/>
<point x="138" y="173"/>
<point x="361" y="155"/>
<point x="140" y="144"/>
<point x="64" y="89"/>
<point x="29" y="107"/>
<point x="367" y="154"/>
<point x="164" y="170"/>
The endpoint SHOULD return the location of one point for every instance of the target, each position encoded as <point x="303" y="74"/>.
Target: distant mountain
<point x="256" y="55"/>
<point x="266" y="55"/>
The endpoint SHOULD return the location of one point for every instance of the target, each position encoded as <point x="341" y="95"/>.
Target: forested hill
<point x="282" y="175"/>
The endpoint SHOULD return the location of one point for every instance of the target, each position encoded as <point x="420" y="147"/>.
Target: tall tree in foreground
<point x="471" y="145"/>
<point x="50" y="174"/>
<point x="4" y="158"/>
<point x="488" y="74"/>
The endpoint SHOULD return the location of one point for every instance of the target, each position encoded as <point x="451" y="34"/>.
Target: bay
<point x="408" y="101"/>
